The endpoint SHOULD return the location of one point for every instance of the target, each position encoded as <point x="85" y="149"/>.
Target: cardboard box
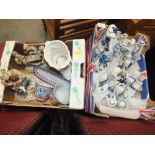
<point x="89" y="98"/>
<point x="8" y="97"/>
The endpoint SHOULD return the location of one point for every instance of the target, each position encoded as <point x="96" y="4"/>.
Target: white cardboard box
<point x="77" y="82"/>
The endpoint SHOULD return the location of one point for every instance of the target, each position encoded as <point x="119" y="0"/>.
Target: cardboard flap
<point x="78" y="79"/>
<point x="5" y="60"/>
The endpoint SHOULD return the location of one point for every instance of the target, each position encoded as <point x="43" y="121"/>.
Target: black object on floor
<point x="60" y="121"/>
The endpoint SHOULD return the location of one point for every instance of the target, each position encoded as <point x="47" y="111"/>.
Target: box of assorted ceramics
<point x="49" y="74"/>
<point x="116" y="83"/>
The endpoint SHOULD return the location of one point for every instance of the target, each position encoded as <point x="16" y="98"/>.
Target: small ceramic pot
<point x="42" y="92"/>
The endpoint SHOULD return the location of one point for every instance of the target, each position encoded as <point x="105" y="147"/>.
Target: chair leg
<point x="45" y="29"/>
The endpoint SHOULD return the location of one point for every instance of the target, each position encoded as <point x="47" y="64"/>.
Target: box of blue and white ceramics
<point x="116" y="79"/>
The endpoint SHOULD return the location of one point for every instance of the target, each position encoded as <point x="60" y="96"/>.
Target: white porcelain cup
<point x="57" y="54"/>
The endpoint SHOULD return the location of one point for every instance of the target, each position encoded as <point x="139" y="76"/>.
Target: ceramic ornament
<point x="111" y="31"/>
<point x="119" y="89"/>
<point x="96" y="79"/>
<point x="132" y="41"/>
<point x="57" y="54"/>
<point x="122" y="104"/>
<point x="116" y="71"/>
<point x="142" y="43"/>
<point x="137" y="85"/>
<point x="111" y="102"/>
<point x="31" y="48"/>
<point x="112" y="44"/>
<point x="103" y="78"/>
<point x="41" y="48"/>
<point x="104" y="88"/>
<point x="126" y="91"/>
<point x="100" y="47"/>
<point x="11" y="77"/>
<point x="118" y="34"/>
<point x="142" y="39"/>
<point x="130" y="80"/>
<point x="99" y="33"/>
<point x="124" y="36"/>
<point x="131" y="92"/>
<point x="126" y="44"/>
<point x="33" y="56"/>
<point x="127" y="63"/>
<point x="22" y="87"/>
